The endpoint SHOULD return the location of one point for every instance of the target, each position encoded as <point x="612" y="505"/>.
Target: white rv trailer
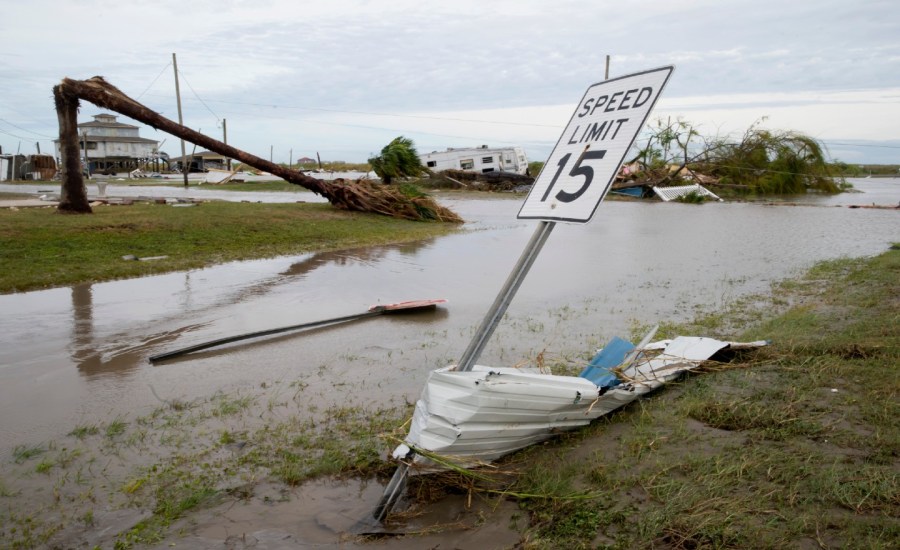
<point x="477" y="159"/>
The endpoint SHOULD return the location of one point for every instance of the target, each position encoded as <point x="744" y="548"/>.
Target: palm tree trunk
<point x="72" y="196"/>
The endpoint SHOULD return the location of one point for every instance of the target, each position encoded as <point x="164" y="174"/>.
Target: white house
<point x="477" y="159"/>
<point x="114" y="146"/>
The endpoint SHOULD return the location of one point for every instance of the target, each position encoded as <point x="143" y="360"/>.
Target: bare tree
<point x="362" y="195"/>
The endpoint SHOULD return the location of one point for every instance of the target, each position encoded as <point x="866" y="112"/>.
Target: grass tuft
<point x="797" y="445"/>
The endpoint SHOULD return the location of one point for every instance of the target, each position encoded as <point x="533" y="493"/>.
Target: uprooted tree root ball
<point x="368" y="196"/>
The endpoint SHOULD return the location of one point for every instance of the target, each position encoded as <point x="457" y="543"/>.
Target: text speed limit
<point x="593" y="146"/>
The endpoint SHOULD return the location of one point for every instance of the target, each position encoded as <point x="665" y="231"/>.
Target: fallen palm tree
<point x="360" y="196"/>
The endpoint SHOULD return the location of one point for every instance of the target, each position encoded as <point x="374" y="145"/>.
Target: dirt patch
<point x="337" y="514"/>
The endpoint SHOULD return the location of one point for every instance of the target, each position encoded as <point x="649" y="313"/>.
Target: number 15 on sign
<point x="588" y="155"/>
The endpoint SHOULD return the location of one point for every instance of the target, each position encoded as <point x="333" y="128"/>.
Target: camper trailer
<point x="482" y="159"/>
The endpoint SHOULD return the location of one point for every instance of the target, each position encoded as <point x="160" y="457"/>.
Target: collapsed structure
<point x="27" y="167"/>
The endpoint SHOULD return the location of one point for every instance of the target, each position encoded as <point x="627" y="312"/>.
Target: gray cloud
<point x="402" y="57"/>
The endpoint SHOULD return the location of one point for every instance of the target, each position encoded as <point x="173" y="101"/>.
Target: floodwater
<point x="78" y="355"/>
<point x="121" y="187"/>
<point x="118" y="187"/>
<point x="81" y="352"/>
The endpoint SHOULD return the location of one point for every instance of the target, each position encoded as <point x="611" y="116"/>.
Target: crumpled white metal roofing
<point x="671" y="193"/>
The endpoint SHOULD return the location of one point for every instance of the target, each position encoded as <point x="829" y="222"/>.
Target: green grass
<point x="226" y="405"/>
<point x="191" y="456"/>
<point x="796" y="445"/>
<point x="23" y="453"/>
<point x="115" y="428"/>
<point x="348" y="442"/>
<point x="84" y="431"/>
<point x="177" y="489"/>
<point x="345" y="441"/>
<point x="40" y="248"/>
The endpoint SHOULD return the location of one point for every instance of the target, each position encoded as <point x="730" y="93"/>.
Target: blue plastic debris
<point x="611" y="356"/>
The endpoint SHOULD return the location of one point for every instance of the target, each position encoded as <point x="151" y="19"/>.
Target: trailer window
<point x="466" y="164"/>
<point x="432" y="163"/>
<point x="487" y="160"/>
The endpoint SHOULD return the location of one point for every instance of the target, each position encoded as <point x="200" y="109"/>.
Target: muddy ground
<point x="91" y="430"/>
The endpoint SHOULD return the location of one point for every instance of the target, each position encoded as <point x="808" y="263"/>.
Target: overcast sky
<point x="344" y="77"/>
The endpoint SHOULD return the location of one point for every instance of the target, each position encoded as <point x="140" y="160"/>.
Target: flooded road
<point x="76" y="356"/>
<point x="122" y="189"/>
<point x="197" y="189"/>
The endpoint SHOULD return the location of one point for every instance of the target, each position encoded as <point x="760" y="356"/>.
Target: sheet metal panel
<point x="480" y="415"/>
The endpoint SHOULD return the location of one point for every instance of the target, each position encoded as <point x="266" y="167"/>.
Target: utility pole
<point x="291" y="160"/>
<point x="185" y="165"/>
<point x="13" y="173"/>
<point x="271" y="147"/>
<point x="87" y="163"/>
<point x="225" y="141"/>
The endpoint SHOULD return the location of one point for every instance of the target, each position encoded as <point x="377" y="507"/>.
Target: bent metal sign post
<point x="577" y="176"/>
<point x="575" y="179"/>
<point x="593" y="146"/>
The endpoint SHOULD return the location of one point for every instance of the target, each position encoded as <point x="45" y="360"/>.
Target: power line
<point x="154" y="80"/>
<point x="478" y="139"/>
<point x="197" y="96"/>
<point x="862" y="145"/>
<point x="394" y="115"/>
<point x="25" y="129"/>
<point x="16" y="136"/>
<point x="418" y="132"/>
<point x="448" y="119"/>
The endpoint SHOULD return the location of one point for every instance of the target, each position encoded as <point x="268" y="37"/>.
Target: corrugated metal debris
<point x="674" y="193"/>
<point x="478" y="416"/>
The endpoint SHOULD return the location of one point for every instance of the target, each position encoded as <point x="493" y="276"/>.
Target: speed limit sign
<point x="593" y="146"/>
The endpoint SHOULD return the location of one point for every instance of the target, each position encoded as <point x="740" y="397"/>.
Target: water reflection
<point x="124" y="190"/>
<point x="92" y="356"/>
<point x="421" y="318"/>
<point x="366" y="256"/>
<point x="82" y="348"/>
<point x="128" y="349"/>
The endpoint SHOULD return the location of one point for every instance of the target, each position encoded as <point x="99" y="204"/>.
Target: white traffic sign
<point x="593" y="146"/>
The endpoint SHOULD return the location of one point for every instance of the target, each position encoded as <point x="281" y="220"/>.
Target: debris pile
<point x="488" y="181"/>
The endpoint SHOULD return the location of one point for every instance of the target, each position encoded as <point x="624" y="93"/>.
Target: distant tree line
<point x="863" y="170"/>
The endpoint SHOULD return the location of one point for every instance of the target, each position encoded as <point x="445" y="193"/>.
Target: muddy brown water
<point x="78" y="355"/>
